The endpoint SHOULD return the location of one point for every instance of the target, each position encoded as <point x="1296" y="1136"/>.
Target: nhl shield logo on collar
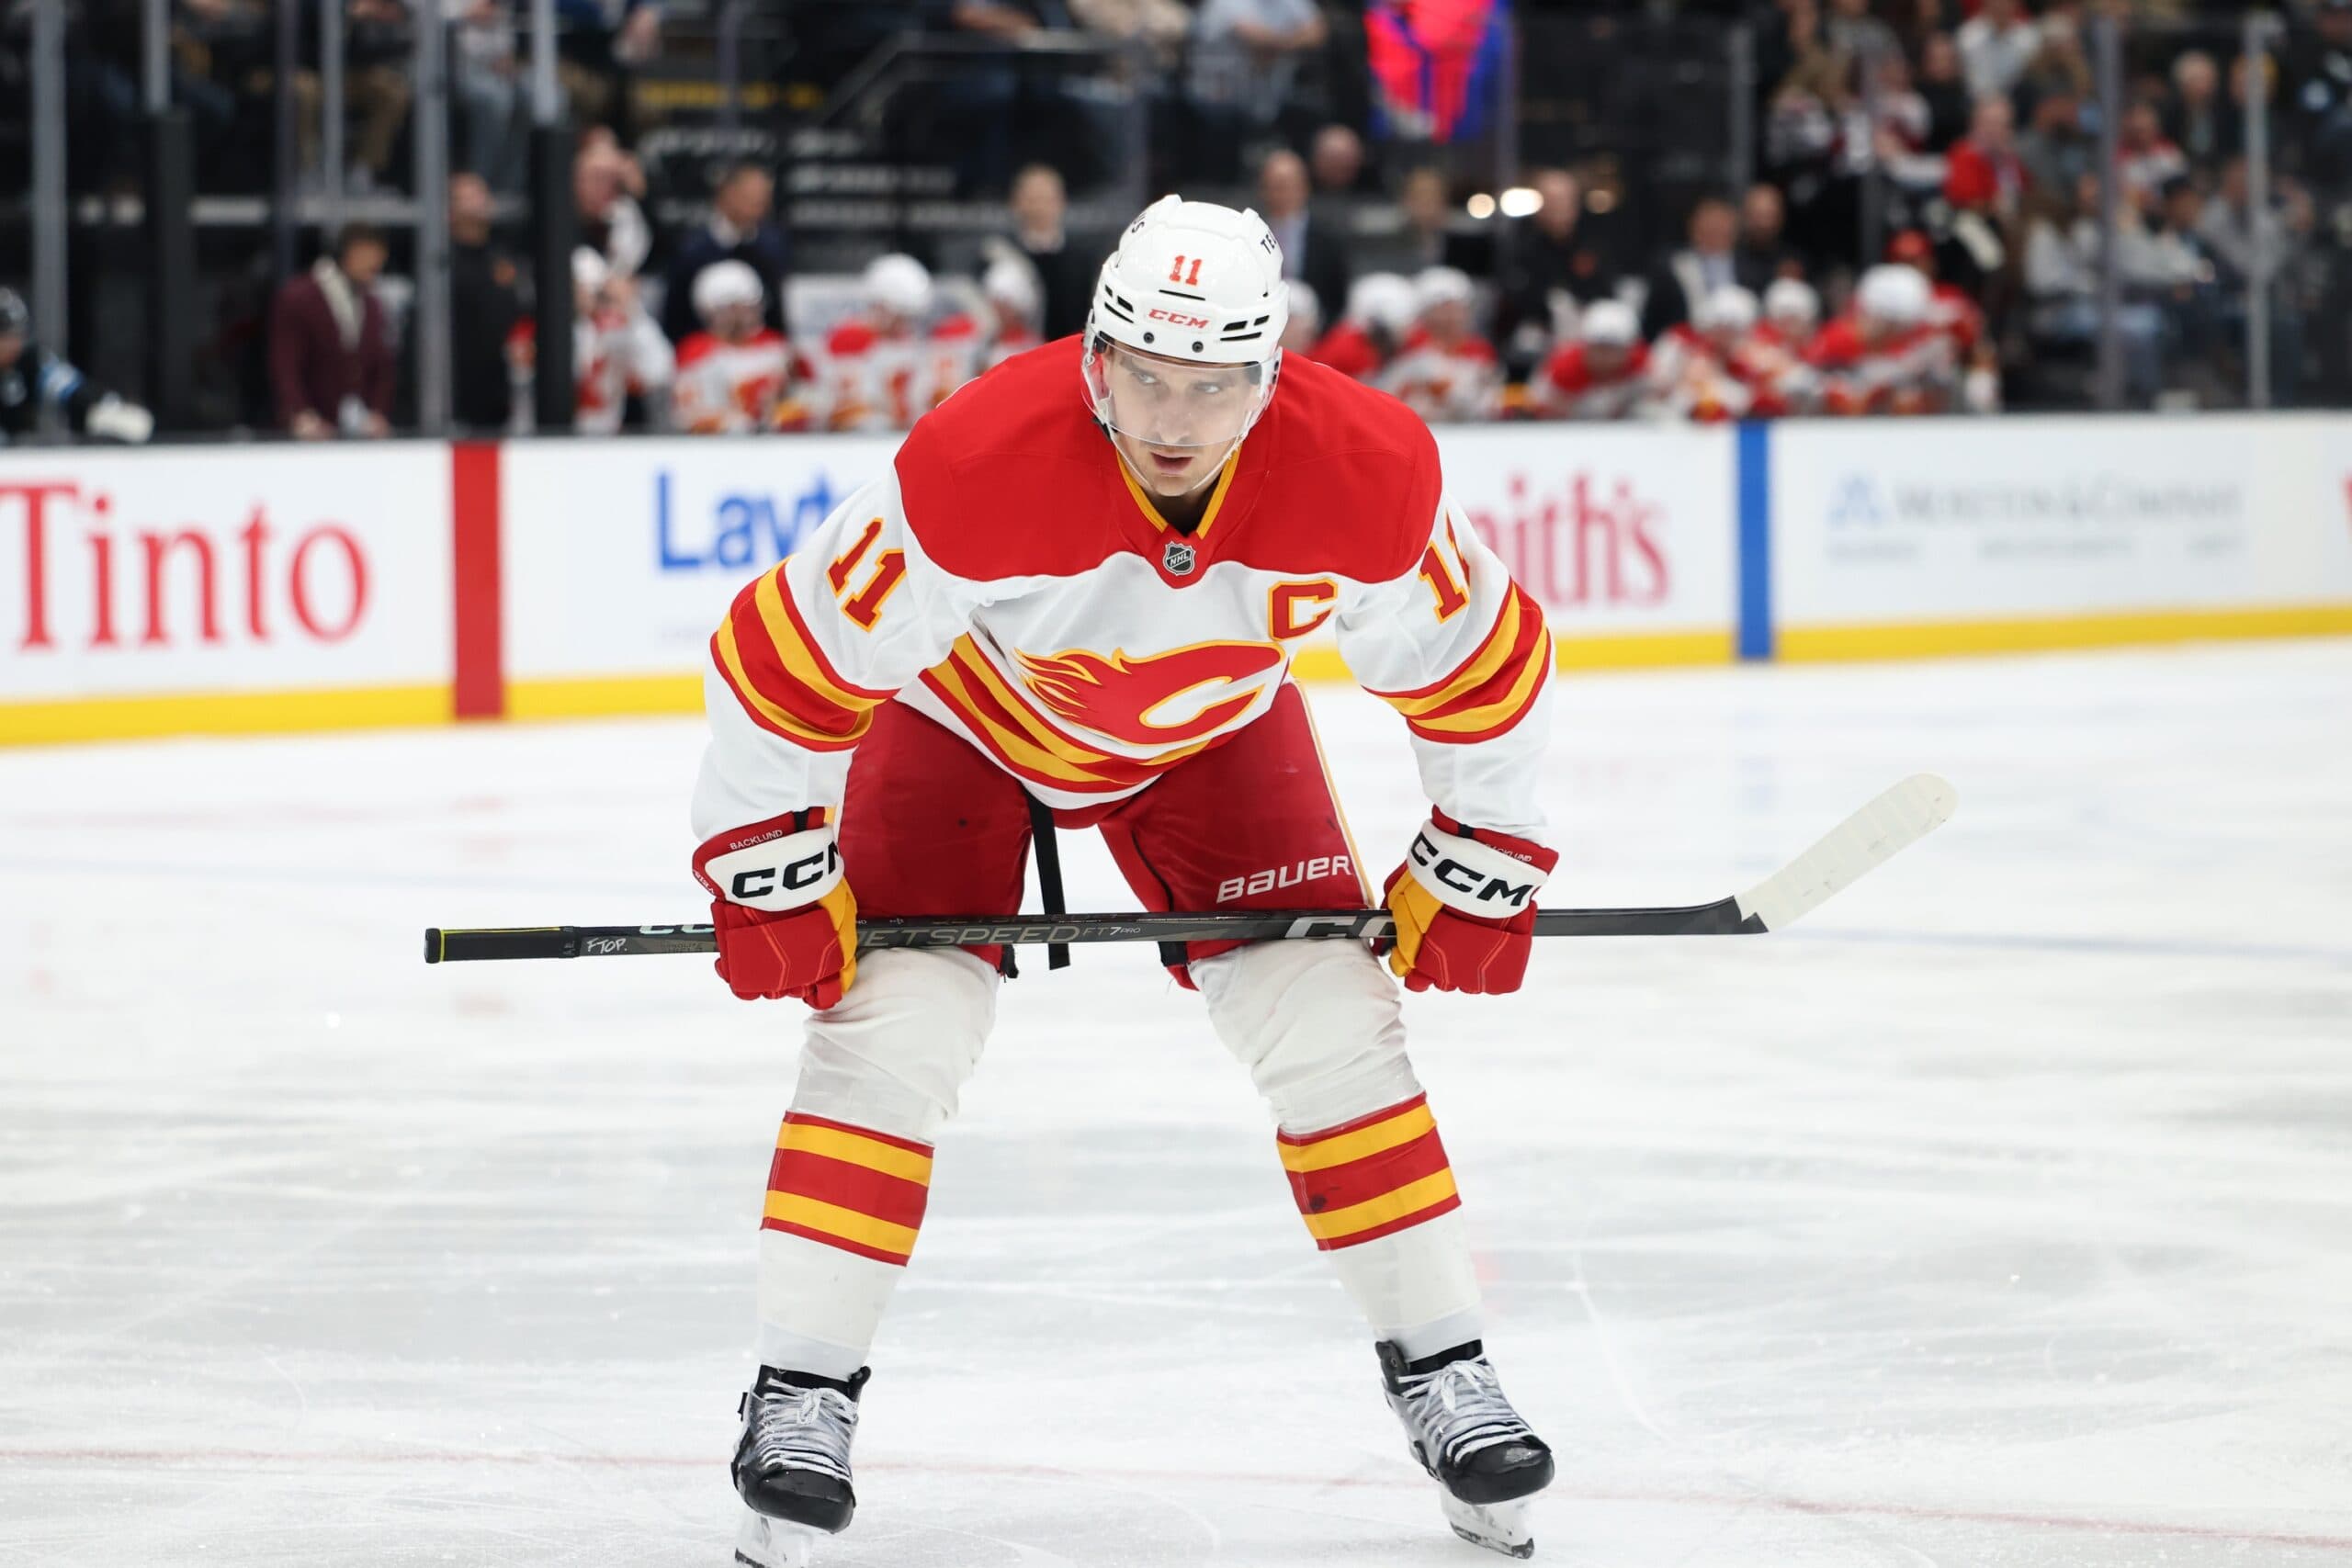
<point x="1178" y="559"/>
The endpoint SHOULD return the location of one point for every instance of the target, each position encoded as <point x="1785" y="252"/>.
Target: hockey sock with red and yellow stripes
<point x="1370" y="1177"/>
<point x="850" y="1187"/>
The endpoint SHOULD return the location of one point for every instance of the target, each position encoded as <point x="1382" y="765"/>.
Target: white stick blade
<point x="1895" y="821"/>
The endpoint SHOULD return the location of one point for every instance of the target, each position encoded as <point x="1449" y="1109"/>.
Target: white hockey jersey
<point x="728" y="389"/>
<point x="877" y="381"/>
<point x="1010" y="580"/>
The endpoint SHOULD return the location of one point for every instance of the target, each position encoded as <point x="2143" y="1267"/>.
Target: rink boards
<point x="295" y="588"/>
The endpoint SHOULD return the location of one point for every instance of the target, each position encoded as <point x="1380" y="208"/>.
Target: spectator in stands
<point x="1246" y="54"/>
<point x="1064" y="273"/>
<point x="618" y="352"/>
<point x="1336" y="160"/>
<point x="1691" y="274"/>
<point x="487" y="85"/>
<point x="2319" y="70"/>
<point x="1763" y="252"/>
<point x="2062" y="285"/>
<point x="1381" y="309"/>
<point x="2239" y="240"/>
<point x="2146" y="160"/>
<point x="2195" y="119"/>
<point x="2057" y="149"/>
<point x="1429" y="237"/>
<point x="376" y="93"/>
<point x="1983" y="173"/>
<point x="1158" y="25"/>
<point x="600" y="41"/>
<point x="1995" y="46"/>
<point x="1446" y="372"/>
<point x="1550" y="268"/>
<point x="606" y="184"/>
<point x="739" y="229"/>
<point x="1601" y="372"/>
<point x="1312" y="253"/>
<point x="331" y="346"/>
<point x="1943" y="87"/>
<point x="484" y="305"/>
<point x="2060" y="67"/>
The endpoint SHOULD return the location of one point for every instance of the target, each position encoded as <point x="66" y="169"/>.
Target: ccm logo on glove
<point x="1473" y="877"/>
<point x="774" y="867"/>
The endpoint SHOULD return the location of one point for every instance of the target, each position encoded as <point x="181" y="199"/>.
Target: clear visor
<point x="1172" y="404"/>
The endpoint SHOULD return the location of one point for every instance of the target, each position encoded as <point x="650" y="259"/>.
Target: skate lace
<point x="803" y="1429"/>
<point x="1461" y="1410"/>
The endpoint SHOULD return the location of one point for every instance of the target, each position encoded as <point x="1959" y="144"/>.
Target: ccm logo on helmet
<point x="1177" y="318"/>
<point x="1464" y="880"/>
<point x="767" y="879"/>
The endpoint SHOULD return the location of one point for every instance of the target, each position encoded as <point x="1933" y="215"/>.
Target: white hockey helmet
<point x="1194" y="282"/>
<point x="1383" y="299"/>
<point x="1728" y="309"/>
<point x="1012" y="283"/>
<point x="898" y="283"/>
<point x="1896" y="294"/>
<point x="1305" y="309"/>
<point x="1610" y="322"/>
<point x="1792" y="302"/>
<point x="725" y="283"/>
<point x="591" y="271"/>
<point x="1435" y="286"/>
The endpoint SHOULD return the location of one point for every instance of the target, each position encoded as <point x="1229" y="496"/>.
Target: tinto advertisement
<point x="233" y="571"/>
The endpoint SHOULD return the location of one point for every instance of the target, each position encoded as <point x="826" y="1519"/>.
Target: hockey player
<point x="1080" y="593"/>
<point x="1954" y="312"/>
<point x="1446" y="371"/>
<point x="1603" y="373"/>
<point x="887" y="366"/>
<point x="1015" y="305"/>
<point x="1772" y="361"/>
<point x="1306" y="329"/>
<point x="738" y="373"/>
<point x="33" y="379"/>
<point x="617" y="351"/>
<point x="1694" y="369"/>
<point x="1379" y="317"/>
<point x="1884" y="355"/>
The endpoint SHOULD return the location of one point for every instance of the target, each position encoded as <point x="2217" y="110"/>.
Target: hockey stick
<point x="1896" y="820"/>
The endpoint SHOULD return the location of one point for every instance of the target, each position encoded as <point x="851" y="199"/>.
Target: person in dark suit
<point x="1312" y="253"/>
<point x="1548" y="254"/>
<point x="1686" y="277"/>
<point x="739" y="229"/>
<point x="484" y="304"/>
<point x="1065" y="271"/>
<point x="330" y="347"/>
<point x="1763" y="255"/>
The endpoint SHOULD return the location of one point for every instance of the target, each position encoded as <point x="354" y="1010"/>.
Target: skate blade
<point x="763" y="1542"/>
<point x="1498" y="1527"/>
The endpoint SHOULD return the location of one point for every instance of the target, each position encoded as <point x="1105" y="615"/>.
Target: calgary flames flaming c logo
<point x="1142" y="701"/>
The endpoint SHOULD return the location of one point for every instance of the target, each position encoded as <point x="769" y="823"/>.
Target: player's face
<point x="1606" y="358"/>
<point x="11" y="346"/>
<point x="736" y="323"/>
<point x="1176" y="422"/>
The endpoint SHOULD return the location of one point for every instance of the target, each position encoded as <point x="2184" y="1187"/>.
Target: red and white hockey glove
<point x="785" y="921"/>
<point x="1464" y="905"/>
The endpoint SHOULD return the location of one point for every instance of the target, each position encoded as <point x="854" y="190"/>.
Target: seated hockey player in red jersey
<point x="617" y="351"/>
<point x="1603" y="373"/>
<point x="1380" y="314"/>
<point x="1078" y="591"/>
<point x="1015" y="305"/>
<point x="1445" y="372"/>
<point x="1695" y="369"/>
<point x="1954" y="312"/>
<point x="738" y="373"/>
<point x="1883" y="355"/>
<point x="1772" y="360"/>
<point x="891" y="363"/>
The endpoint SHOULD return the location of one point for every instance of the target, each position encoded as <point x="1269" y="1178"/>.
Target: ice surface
<point x="2001" y="1214"/>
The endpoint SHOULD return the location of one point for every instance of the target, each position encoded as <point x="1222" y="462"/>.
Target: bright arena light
<point x="1519" y="201"/>
<point x="1481" y="206"/>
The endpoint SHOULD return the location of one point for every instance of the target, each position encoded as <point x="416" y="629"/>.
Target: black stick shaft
<point x="1722" y="918"/>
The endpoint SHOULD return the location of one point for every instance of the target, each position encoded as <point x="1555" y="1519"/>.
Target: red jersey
<point x="875" y="381"/>
<point x="1456" y="382"/>
<point x="728" y="389"/>
<point x="1912" y="371"/>
<point x="1569" y="387"/>
<point x="1351" y="350"/>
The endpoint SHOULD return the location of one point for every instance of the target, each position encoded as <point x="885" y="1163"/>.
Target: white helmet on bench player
<point x="1198" y="283"/>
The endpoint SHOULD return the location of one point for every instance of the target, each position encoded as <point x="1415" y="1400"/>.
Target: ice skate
<point x="1466" y="1434"/>
<point x="791" y="1465"/>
